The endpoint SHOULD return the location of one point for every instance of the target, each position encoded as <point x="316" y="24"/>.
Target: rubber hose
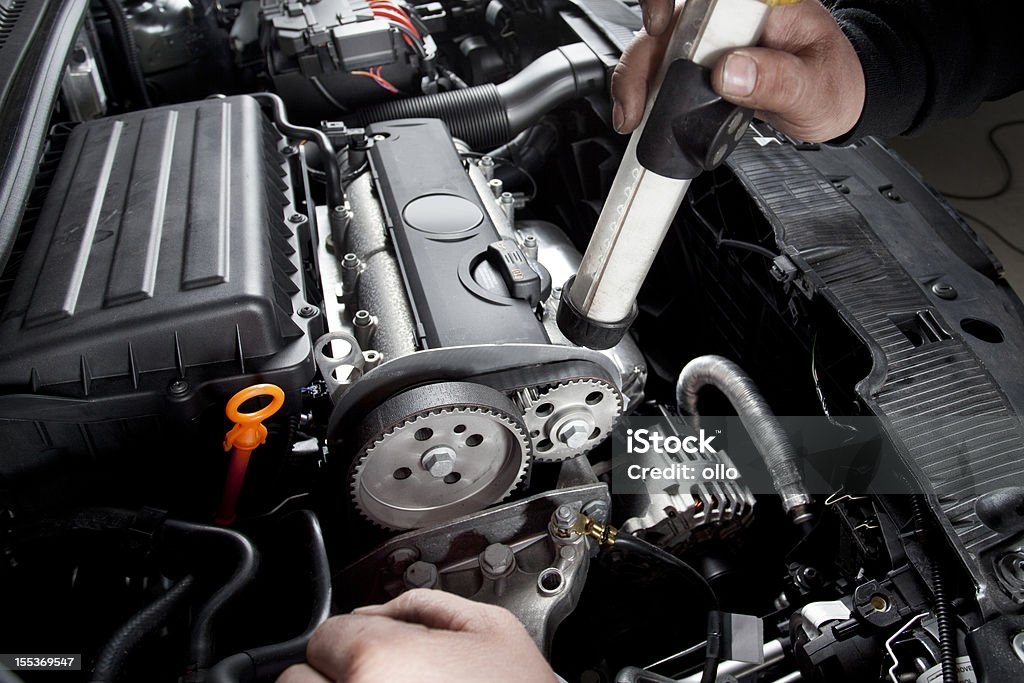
<point x="125" y="639"/>
<point x="332" y="167"/>
<point x="201" y="640"/>
<point x="485" y="116"/>
<point x="123" y="34"/>
<point x="757" y="417"/>
<point x="270" y="660"/>
<point x="476" y="115"/>
<point x="942" y="606"/>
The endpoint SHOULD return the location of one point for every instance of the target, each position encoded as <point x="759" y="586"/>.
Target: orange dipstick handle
<point x="247" y="434"/>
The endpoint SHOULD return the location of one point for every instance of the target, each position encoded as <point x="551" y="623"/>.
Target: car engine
<point x="279" y="283"/>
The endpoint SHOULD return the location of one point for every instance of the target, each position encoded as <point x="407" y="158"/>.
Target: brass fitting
<point x="604" y="534"/>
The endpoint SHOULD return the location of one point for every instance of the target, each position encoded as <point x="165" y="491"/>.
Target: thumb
<point x="768" y="81"/>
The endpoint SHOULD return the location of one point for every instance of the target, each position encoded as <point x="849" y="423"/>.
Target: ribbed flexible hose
<point x="942" y="606"/>
<point x="485" y="116"/>
<point x="476" y="115"/>
<point x="152" y="617"/>
<point x="757" y="417"/>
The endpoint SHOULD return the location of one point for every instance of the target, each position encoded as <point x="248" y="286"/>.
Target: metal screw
<point x="439" y="461"/>
<point x="497" y="560"/>
<point x="597" y="510"/>
<point x="297" y="218"/>
<point x="308" y="311"/>
<point x="288" y="150"/>
<point x="399" y="559"/>
<point x="944" y="290"/>
<point x="893" y="196"/>
<point x="574" y="432"/>
<point x="178" y="387"/>
<point x="564" y="517"/>
<point x="420" y="575"/>
<point x="380" y="138"/>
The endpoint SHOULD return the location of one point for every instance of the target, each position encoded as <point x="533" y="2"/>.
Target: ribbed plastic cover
<point x="162" y="244"/>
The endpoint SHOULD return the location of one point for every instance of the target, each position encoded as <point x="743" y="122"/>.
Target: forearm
<point x="926" y="60"/>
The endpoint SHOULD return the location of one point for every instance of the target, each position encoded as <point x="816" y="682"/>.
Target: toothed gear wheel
<point x="569" y="418"/>
<point x="438" y="452"/>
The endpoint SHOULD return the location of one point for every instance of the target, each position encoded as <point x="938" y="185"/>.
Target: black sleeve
<point x="926" y="60"/>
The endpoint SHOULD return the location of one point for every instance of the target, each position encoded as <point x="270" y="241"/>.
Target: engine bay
<point x="279" y="283"/>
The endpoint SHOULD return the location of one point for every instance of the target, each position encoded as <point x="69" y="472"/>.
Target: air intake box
<point x="160" y="276"/>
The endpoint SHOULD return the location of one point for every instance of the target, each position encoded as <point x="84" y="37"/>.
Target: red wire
<point x="391" y="11"/>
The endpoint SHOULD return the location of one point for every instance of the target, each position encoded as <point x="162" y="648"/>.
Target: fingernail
<point x="646" y="13"/>
<point x="618" y="117"/>
<point x="740" y="75"/>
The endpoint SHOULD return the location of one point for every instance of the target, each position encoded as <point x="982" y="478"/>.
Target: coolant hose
<point x="757" y="417"/>
<point x="485" y="116"/>
<point x="266" y="662"/>
<point x="246" y="561"/>
<point x="151" y="618"/>
<point x="332" y="167"/>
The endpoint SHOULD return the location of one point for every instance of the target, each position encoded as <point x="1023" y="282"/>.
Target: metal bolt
<point x="1018" y="645"/>
<point x="371" y="359"/>
<point x="178" y="387"/>
<point x="399" y="559"/>
<point x="486" y="165"/>
<point x="530" y="247"/>
<point x="349" y="272"/>
<point x="365" y="326"/>
<point x="439" y="461"/>
<point x="308" y="311"/>
<point x="296" y="218"/>
<point x="420" y="575"/>
<point x="380" y="138"/>
<point x="497" y="560"/>
<point x="574" y="432"/>
<point x="944" y="290"/>
<point x="497" y="187"/>
<point x="564" y="517"/>
<point x="597" y="510"/>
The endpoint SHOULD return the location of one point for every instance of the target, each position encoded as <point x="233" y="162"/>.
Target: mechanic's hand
<point x="805" y="79"/>
<point x="423" y="636"/>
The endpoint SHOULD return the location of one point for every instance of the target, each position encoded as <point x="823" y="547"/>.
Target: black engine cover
<point x="442" y="231"/>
